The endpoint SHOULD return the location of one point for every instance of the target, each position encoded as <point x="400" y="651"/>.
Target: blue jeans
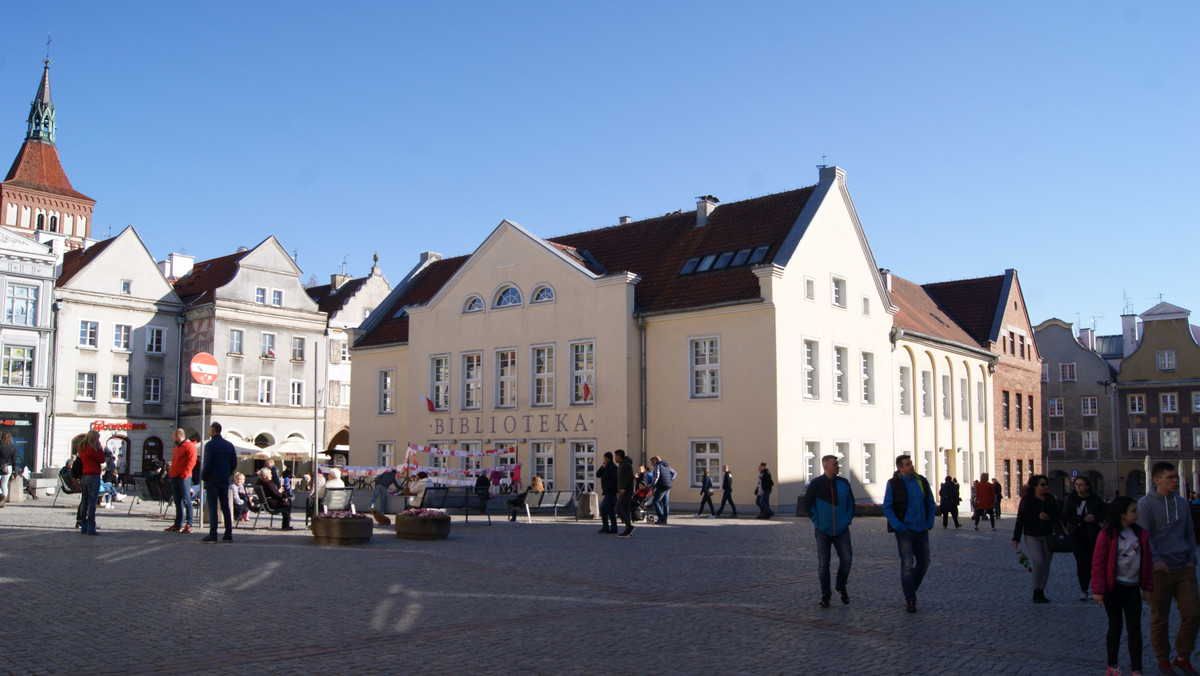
<point x="913" y="546"/>
<point x="214" y="494"/>
<point x="608" y="512"/>
<point x="845" y="556"/>
<point x="181" y="493"/>
<point x="90" y="485"/>
<point x="379" y="497"/>
<point x="727" y="497"/>
<point x="662" y="503"/>
<point x="764" y="504"/>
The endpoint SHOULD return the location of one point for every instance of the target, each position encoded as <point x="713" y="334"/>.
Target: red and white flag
<point x="587" y="392"/>
<point x="428" y="402"/>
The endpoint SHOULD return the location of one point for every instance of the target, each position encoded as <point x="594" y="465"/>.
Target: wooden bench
<point x="452" y="497"/>
<point x="548" y="500"/>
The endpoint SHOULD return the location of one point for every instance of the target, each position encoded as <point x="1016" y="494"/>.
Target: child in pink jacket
<point x="1122" y="577"/>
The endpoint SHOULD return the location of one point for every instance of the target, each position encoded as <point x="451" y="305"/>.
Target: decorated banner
<point x="414" y="448"/>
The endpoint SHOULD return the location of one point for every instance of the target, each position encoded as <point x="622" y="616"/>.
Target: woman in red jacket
<point x="1122" y="577"/>
<point x="93" y="461"/>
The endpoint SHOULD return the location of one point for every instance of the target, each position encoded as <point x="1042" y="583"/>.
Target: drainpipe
<point x="180" y="320"/>
<point x="642" y="376"/>
<point x="51" y="418"/>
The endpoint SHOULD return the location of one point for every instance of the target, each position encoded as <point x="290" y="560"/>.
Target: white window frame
<point x="156" y="340"/>
<point x="1165" y="360"/>
<point x="1196" y="438"/>
<point x="980" y="399"/>
<point x="837" y="291"/>
<point x="119" y="391"/>
<point x="1089" y="406"/>
<point x="582" y="372"/>
<point x="344" y="391"/>
<point x="385" y="453"/>
<point x="541" y="459"/>
<point x="276" y="297"/>
<point x="867" y="362"/>
<point x="964" y="399"/>
<point x="439" y="381"/>
<point x="1045" y="373"/>
<point x="1168" y="402"/>
<point x="503" y="299"/>
<point x="505" y="361"/>
<point x="926" y="393"/>
<point x="812" y="368"/>
<point x="905" y="393"/>
<point x="296" y="393"/>
<point x="1054" y="407"/>
<point x="266" y="345"/>
<point x="27" y="303"/>
<point x="841" y="387"/>
<point x="704" y="453"/>
<point x="233" y="388"/>
<point x="1058" y="441"/>
<point x="85" y="386"/>
<point x="704" y="367"/>
<point x="260" y="295"/>
<point x="866" y="306"/>
<point x="869" y="462"/>
<point x="1066" y="372"/>
<point x="237" y="341"/>
<point x="812" y="459"/>
<point x="542" y="293"/>
<point x="473" y="304"/>
<point x="152" y="390"/>
<point x="1139" y="439"/>
<point x="22" y="357"/>
<point x="1091" y="440"/>
<point x="810" y="289"/>
<point x="297" y="348"/>
<point x="1165" y="437"/>
<point x="542" y="362"/>
<point x="1195" y="402"/>
<point x="1136" y="404"/>
<point x="122" y="338"/>
<point x="947" y="401"/>
<point x="387" y="392"/>
<point x="583" y="464"/>
<point x="472" y="381"/>
<point x="89" y="334"/>
<point x="126" y="287"/>
<point x="266" y="391"/>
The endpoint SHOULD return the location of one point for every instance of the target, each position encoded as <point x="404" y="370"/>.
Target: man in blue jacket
<point x="830" y="505"/>
<point x="908" y="505"/>
<point x="220" y="461"/>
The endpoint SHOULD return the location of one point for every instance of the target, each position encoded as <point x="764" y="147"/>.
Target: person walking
<point x="706" y="491"/>
<point x="985" y="501"/>
<point x="1165" y="515"/>
<point x="220" y="461"/>
<point x="948" y="494"/>
<point x="1084" y="512"/>
<point x="909" y="507"/>
<point x="606" y="476"/>
<point x="7" y="462"/>
<point x="830" y="504"/>
<point x="661" y="479"/>
<point x="1036" y="515"/>
<point x="1122" y="575"/>
<point x="625" y="486"/>
<point x="763" y="492"/>
<point x="92" y="457"/>
<point x="999" y="496"/>
<point x="183" y="461"/>
<point x="727" y="493"/>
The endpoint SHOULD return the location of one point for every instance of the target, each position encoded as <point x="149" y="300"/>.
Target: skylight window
<point x="759" y="254"/>
<point x="741" y="257"/>
<point x="690" y="266"/>
<point x="723" y="260"/>
<point x="706" y="263"/>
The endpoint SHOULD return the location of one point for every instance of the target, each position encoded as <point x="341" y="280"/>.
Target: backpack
<point x="77" y="468"/>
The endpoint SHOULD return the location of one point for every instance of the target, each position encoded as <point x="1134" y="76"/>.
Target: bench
<point x="548" y="500"/>
<point x="452" y="497"/>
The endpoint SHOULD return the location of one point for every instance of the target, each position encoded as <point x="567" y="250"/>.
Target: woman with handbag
<point x="706" y="491"/>
<point x="1084" y="512"/>
<point x="1037" y="515"/>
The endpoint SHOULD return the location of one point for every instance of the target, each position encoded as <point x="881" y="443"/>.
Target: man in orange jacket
<point x="183" y="462"/>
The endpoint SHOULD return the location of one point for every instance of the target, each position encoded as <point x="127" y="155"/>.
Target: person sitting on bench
<point x="275" y="497"/>
<point x="535" y="486"/>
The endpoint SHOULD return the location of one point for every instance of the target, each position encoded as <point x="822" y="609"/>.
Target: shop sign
<point x="102" y="426"/>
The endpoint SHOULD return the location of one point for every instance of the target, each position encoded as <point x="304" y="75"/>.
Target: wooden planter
<point x="355" y="531"/>
<point x="422" y="527"/>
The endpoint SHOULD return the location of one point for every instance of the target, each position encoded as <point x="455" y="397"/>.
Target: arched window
<point x="54" y="224"/>
<point x="543" y="294"/>
<point x="508" y="296"/>
<point x="41" y="222"/>
<point x="473" y="304"/>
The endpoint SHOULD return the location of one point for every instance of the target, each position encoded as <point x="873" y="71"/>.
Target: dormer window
<point x="543" y="294"/>
<point x="509" y="296"/>
<point x="473" y="304"/>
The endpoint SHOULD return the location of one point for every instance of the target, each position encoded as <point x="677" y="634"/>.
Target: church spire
<point x="41" y="111"/>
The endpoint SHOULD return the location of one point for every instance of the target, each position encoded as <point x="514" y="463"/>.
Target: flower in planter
<point x="424" y="513"/>
<point x="343" y="514"/>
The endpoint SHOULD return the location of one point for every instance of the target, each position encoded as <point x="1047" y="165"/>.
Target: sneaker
<point x="825" y="601"/>
<point x="1114" y="671"/>
<point x="185" y="529"/>
<point x="227" y="538"/>
<point x="1164" y="669"/>
<point x="1184" y="667"/>
<point x="209" y="538"/>
<point x="171" y="529"/>
<point x="845" y="597"/>
<point x="626" y="533"/>
<point x="1084" y="595"/>
<point x="910" y="606"/>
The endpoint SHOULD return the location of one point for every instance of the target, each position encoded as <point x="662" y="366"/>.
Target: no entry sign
<point x="204" y="368"/>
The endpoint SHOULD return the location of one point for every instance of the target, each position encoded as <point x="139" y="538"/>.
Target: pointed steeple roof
<point x="37" y="166"/>
<point x="41" y="111"/>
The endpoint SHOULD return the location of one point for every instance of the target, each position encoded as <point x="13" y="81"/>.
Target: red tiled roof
<point x="36" y="167"/>
<point x="77" y="259"/>
<point x="971" y="302"/>
<point x="392" y="329"/>
<point x="207" y="276"/>
<point x="920" y="313"/>
<point x="330" y="300"/>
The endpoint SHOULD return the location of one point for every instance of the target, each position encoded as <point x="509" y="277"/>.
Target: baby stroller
<point x="638" y="507"/>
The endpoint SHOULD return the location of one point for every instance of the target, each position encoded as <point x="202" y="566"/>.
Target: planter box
<point x="342" y="531"/>
<point x="422" y="528"/>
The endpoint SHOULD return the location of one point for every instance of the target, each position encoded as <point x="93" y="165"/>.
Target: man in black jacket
<point x="624" y="490"/>
<point x="727" y="493"/>
<point x="220" y="461"/>
<point x="765" y="484"/>
<point x="607" y="478"/>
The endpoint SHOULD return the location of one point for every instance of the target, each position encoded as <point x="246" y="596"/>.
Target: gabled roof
<point x="330" y="300"/>
<point x="389" y="324"/>
<point x="77" y="259"/>
<point x="973" y="303"/>
<point x="920" y="313"/>
<point x="36" y="167"/>
<point x="199" y="285"/>
<point x="1164" y="311"/>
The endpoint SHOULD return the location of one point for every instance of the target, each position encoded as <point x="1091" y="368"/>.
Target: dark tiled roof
<point x="971" y="302"/>
<point x="330" y="300"/>
<point x="36" y="167"/>
<point x="920" y="313"/>
<point x="1111" y="347"/>
<point x="77" y="259"/>
<point x="207" y="276"/>
<point x="392" y="329"/>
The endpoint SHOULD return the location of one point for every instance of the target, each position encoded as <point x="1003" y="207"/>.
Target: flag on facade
<point x="587" y="392"/>
<point x="428" y="402"/>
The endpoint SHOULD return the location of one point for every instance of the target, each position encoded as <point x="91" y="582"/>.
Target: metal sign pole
<point x="200" y="453"/>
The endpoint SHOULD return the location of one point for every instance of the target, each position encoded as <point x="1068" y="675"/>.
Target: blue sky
<point x="1059" y="139"/>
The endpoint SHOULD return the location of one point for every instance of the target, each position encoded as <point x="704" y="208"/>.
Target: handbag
<point x="1059" y="541"/>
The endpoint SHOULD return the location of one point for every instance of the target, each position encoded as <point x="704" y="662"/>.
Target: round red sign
<point x="204" y="368"/>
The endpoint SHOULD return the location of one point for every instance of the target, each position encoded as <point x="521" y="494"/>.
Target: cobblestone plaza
<point x="551" y="597"/>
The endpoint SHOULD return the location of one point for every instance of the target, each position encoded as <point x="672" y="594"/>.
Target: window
<point x="868" y="457"/>
<point x="17" y="369"/>
<point x="260" y="295"/>
<point x="840" y="389"/>
<point x="690" y="266"/>
<point x="980" y="397"/>
<point x="812" y="387"/>
<point x="543" y="376"/>
<point x="472" y="380"/>
<point x="344" y="345"/>
<point x="473" y="304"/>
<point x="85" y="386"/>
<point x="87" y="333"/>
<point x="344" y="391"/>
<point x="385" y="454"/>
<point x="1057" y="442"/>
<point x="1019" y="410"/>
<point x="120" y="388"/>
<point x="509" y="296"/>
<point x="267" y="343"/>
<point x="235" y="341"/>
<point x="866" y="306"/>
<point x="947" y="401"/>
<point x="926" y="394"/>
<point x="706" y="455"/>
<point x="297" y="349"/>
<point x="839" y="292"/>
<point x="121" y="333"/>
<point x="1029" y="409"/>
<point x="905" y="390"/>
<point x="1045" y="373"/>
<point x="1088" y="406"/>
<point x="543" y="294"/>
<point x="152" y="390"/>
<point x="1021" y="346"/>
<point x="868" y="378"/>
<point x="1137" y="403"/>
<point x="439" y="373"/>
<point x="1054" y="407"/>
<point x="810" y="288"/>
<point x="1195" y="402"/>
<point x="583" y="372"/>
<point x="583" y="465"/>
<point x="1168" y="402"/>
<point x="506" y="378"/>
<point x="1091" y="440"/>
<point x="154" y="340"/>
<point x="759" y="255"/>
<point x="1008" y="477"/>
<point x="276" y="298"/>
<point x="1170" y="439"/>
<point x="266" y="391"/>
<point x="1166" y="360"/>
<point x="387" y="391"/>
<point x="812" y="459"/>
<point x="706" y="263"/>
<point x="740" y="257"/>
<point x="1138" y="440"/>
<point x="1066" y="372"/>
<point x="296" y="393"/>
<point x="20" y="305"/>
<point x="126" y="287"/>
<point x="706" y="367"/>
<point x="1012" y="343"/>
<point x="1004" y="404"/>
<point x="233" y="389"/>
<point x="543" y="462"/>
<point x="723" y="261"/>
<point x="1196" y="439"/>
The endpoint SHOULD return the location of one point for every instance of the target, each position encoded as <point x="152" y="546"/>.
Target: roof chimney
<point x="1129" y="333"/>
<point x="887" y="278"/>
<point x="337" y="280"/>
<point x="705" y="205"/>
<point x="177" y="266"/>
<point x="1087" y="338"/>
<point x="427" y="256"/>
<point x="625" y="220"/>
